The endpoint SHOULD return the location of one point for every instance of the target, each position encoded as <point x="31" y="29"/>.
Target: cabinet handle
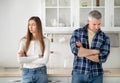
<point x="54" y="81"/>
<point x="51" y="52"/>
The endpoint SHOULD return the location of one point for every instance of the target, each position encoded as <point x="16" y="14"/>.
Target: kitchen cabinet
<point x="85" y="6"/>
<point x="70" y="79"/>
<point x="58" y="79"/>
<point x="66" y="15"/>
<point x="10" y="79"/>
<point x="115" y="14"/>
<point x="111" y="80"/>
<point x="57" y="15"/>
<point x="52" y="79"/>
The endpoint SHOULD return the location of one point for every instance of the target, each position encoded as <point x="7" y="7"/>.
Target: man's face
<point x="94" y="24"/>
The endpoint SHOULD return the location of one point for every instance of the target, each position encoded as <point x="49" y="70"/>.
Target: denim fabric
<point x="81" y="78"/>
<point x="36" y="75"/>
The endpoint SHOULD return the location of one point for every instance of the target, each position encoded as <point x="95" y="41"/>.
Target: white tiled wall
<point x="113" y="59"/>
<point x="62" y="56"/>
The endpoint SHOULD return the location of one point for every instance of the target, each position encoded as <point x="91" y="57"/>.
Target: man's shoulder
<point x="104" y="35"/>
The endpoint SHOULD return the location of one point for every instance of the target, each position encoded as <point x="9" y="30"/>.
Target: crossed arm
<point x="22" y="54"/>
<point x="90" y="54"/>
<point x="35" y="59"/>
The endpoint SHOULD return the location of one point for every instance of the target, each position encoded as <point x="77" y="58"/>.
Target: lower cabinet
<point x="111" y="80"/>
<point x="10" y="79"/>
<point x="70" y="79"/>
<point x="51" y="79"/>
<point x="58" y="79"/>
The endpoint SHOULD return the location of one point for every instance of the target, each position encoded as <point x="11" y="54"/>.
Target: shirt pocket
<point x="99" y="43"/>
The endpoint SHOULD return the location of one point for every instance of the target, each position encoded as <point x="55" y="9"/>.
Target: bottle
<point x="97" y="2"/>
<point x="84" y="3"/>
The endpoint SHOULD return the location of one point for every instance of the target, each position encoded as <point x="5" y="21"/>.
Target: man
<point x="90" y="47"/>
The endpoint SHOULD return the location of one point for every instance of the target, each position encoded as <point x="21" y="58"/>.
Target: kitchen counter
<point x="54" y="72"/>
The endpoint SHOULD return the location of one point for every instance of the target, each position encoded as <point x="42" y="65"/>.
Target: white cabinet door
<point x="112" y="22"/>
<point x="115" y="13"/>
<point x="57" y="15"/>
<point x="111" y="80"/>
<point x="58" y="79"/>
<point x="10" y="79"/>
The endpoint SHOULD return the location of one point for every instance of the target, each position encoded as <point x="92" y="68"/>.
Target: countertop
<point x="54" y="72"/>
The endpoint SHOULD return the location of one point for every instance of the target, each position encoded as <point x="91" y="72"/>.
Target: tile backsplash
<point x="62" y="56"/>
<point x="114" y="39"/>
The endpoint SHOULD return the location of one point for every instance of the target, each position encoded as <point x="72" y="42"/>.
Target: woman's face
<point x="32" y="26"/>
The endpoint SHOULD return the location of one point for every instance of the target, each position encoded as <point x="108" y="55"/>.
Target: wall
<point x="13" y="25"/>
<point x="62" y="56"/>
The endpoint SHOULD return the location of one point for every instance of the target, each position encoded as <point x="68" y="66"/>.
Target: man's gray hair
<point x="94" y="14"/>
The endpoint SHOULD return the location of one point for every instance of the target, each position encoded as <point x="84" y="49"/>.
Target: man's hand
<point x="79" y="44"/>
<point x="94" y="58"/>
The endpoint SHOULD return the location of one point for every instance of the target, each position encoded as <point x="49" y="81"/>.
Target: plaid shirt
<point x="100" y="42"/>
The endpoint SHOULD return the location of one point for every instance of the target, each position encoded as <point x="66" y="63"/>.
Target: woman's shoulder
<point x="23" y="39"/>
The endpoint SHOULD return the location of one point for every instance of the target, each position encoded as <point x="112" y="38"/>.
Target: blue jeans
<point x="81" y="78"/>
<point x="36" y="75"/>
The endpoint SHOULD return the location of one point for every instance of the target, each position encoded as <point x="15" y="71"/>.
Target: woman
<point x="33" y="53"/>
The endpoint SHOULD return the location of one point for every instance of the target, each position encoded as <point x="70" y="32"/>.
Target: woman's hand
<point x="40" y="56"/>
<point x="22" y="54"/>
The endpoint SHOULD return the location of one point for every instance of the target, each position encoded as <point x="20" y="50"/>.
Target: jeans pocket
<point x="43" y="70"/>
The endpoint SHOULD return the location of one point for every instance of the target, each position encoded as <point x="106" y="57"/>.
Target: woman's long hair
<point x="39" y="34"/>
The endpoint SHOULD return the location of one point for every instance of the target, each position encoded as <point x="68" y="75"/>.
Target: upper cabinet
<point x="63" y="16"/>
<point x="85" y="6"/>
<point x="115" y="14"/>
<point x="57" y="15"/>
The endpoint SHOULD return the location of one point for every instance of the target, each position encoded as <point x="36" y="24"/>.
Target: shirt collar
<point x="86" y="28"/>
